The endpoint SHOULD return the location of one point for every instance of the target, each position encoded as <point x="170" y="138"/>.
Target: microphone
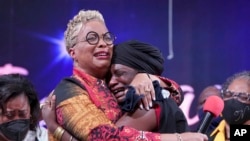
<point x="212" y="108"/>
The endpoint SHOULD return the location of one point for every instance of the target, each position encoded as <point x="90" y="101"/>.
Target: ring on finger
<point x="147" y="90"/>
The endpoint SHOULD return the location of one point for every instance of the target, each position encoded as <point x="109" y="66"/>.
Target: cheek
<point x="130" y="77"/>
<point x="84" y="49"/>
<point x="28" y="110"/>
<point x="126" y="80"/>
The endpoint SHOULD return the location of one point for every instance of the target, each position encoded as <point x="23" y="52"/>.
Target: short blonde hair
<point x="74" y="26"/>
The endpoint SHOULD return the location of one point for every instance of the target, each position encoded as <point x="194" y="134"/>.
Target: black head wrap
<point x="140" y="56"/>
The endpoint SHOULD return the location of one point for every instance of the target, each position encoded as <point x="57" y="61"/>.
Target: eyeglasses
<point x="93" y="38"/>
<point x="244" y="97"/>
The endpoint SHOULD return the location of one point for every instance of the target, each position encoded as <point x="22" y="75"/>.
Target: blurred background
<point x="203" y="41"/>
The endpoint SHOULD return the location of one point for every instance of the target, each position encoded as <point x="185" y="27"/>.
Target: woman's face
<point x="121" y="77"/>
<point x="237" y="104"/>
<point x="16" y="108"/>
<point x="240" y="85"/>
<point x="93" y="59"/>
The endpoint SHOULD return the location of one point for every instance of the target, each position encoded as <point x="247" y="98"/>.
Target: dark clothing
<point x="171" y="119"/>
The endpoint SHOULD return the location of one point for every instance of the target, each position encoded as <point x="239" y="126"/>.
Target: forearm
<point x="138" y="118"/>
<point x="188" y="136"/>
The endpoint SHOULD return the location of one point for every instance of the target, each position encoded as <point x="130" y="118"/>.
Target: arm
<point x="79" y="116"/>
<point x="49" y="117"/>
<point x="143" y="85"/>
<point x="188" y="136"/>
<point x="48" y="114"/>
<point x="169" y="117"/>
<point x="138" y="118"/>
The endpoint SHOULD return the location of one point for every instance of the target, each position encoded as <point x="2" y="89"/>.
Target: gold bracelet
<point x="179" y="138"/>
<point x="58" y="133"/>
<point x="71" y="138"/>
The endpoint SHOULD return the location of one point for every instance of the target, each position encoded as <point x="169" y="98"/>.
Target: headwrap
<point x="140" y="56"/>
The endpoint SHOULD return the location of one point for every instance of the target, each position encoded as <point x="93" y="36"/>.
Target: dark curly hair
<point x="12" y="85"/>
<point x="243" y="74"/>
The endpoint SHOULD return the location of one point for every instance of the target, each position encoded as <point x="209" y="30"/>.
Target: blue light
<point x="59" y="49"/>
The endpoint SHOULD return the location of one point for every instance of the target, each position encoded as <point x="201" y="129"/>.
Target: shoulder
<point x="67" y="88"/>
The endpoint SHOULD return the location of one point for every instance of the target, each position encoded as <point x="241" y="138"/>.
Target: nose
<point x="16" y="117"/>
<point x="112" y="82"/>
<point x="102" y="43"/>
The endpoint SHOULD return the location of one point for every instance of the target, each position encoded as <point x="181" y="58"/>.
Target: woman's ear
<point x="72" y="53"/>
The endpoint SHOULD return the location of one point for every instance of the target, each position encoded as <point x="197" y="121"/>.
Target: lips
<point x="101" y="54"/>
<point x="119" y="93"/>
<point x="115" y="91"/>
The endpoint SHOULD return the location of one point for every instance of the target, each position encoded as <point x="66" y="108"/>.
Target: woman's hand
<point x="49" y="114"/>
<point x="187" y="136"/>
<point x="193" y="136"/>
<point x="144" y="86"/>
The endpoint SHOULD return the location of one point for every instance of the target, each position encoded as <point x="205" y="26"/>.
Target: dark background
<point x="210" y="37"/>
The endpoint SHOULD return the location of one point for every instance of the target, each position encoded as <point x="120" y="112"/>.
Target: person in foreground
<point x="165" y="116"/>
<point x="130" y="58"/>
<point x="85" y="107"/>
<point x="236" y="96"/>
<point x="19" y="110"/>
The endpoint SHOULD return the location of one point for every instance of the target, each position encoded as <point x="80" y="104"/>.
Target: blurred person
<point x="236" y="95"/>
<point x="19" y="110"/>
<point x="208" y="91"/>
<point x="85" y="107"/>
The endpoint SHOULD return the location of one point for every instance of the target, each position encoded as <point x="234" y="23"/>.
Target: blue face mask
<point x="15" y="130"/>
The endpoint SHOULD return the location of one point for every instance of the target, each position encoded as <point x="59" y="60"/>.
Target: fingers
<point x="147" y="99"/>
<point x="53" y="102"/>
<point x="46" y="103"/>
<point x="152" y="92"/>
<point x="145" y="103"/>
<point x="149" y="93"/>
<point x="143" y="85"/>
<point x="49" y="102"/>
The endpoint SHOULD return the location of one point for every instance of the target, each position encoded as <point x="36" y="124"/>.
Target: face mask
<point x="15" y="130"/>
<point x="236" y="112"/>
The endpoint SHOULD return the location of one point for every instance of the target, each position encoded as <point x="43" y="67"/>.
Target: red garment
<point x="87" y="109"/>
